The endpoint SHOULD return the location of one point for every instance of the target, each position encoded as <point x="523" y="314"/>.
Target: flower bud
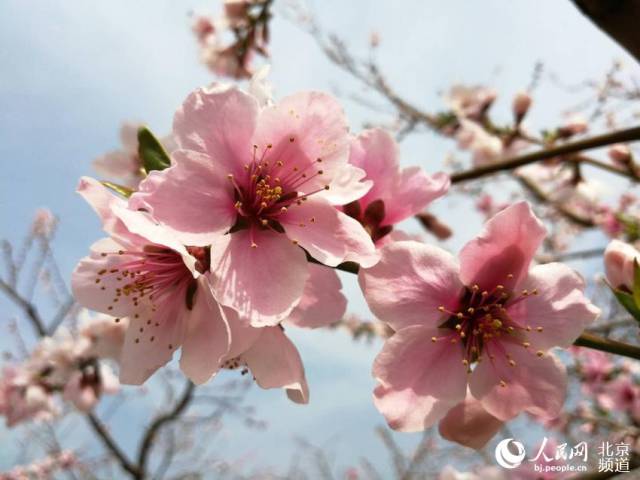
<point x="619" y="260"/>
<point x="521" y="103"/>
<point x="574" y="125"/>
<point x="620" y="154"/>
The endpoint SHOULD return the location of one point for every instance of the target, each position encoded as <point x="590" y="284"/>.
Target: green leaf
<point x="151" y="152"/>
<point x="126" y="192"/>
<point x="628" y="302"/>
<point x="636" y="282"/>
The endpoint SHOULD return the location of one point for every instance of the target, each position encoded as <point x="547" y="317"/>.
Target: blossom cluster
<point x="71" y="365"/>
<point x="211" y="255"/>
<point x="229" y="43"/>
<point x="228" y="246"/>
<point x="43" y="468"/>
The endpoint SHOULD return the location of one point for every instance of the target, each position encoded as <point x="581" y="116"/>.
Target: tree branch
<point x="594" y="342"/>
<point x="161" y="421"/>
<point x="620" y="136"/>
<point x="28" y="308"/>
<point x="112" y="446"/>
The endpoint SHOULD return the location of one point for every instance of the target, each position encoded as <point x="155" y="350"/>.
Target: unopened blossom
<point x="620" y="154"/>
<point x="125" y="165"/>
<point x="521" y="104"/>
<point x="142" y="272"/>
<point x="484" y="323"/>
<point x="396" y="194"/>
<point x="619" y="264"/>
<point x="574" y="124"/>
<point x="44" y="223"/>
<point x="203" y="28"/>
<point x="470" y="101"/>
<point x="257" y="183"/>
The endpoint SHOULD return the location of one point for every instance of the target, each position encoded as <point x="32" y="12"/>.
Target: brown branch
<point x="620" y="136"/>
<point x="38" y="324"/>
<point x="28" y="308"/>
<point x="110" y="444"/>
<point x="617" y="18"/>
<point x="160" y="421"/>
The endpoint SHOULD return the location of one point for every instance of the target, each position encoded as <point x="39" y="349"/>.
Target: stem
<point x="619" y="136"/>
<point x="28" y="308"/>
<point x="159" y="422"/>
<point x="112" y="446"/>
<point x="594" y="342"/>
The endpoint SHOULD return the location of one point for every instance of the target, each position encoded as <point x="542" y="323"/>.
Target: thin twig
<point x="155" y="426"/>
<point x="112" y="446"/>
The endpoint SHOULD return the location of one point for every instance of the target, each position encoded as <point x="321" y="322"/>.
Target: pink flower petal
<point x="409" y="284"/>
<point x="376" y="152"/>
<point x="205" y="207"/>
<point x="404" y="192"/>
<point x="329" y="235"/>
<point x="149" y="346"/>
<point x="410" y="359"/>
<point x="322" y="302"/>
<point x="95" y="287"/>
<point x="219" y="121"/>
<point x="348" y="185"/>
<point x="275" y="363"/>
<point x="263" y="283"/>
<point x="416" y="190"/>
<point x="535" y="384"/>
<point x="560" y="309"/>
<point x="206" y="337"/>
<point x="505" y="246"/>
<point x="469" y="424"/>
<point x="303" y="128"/>
<point x="407" y="411"/>
<point x="242" y="334"/>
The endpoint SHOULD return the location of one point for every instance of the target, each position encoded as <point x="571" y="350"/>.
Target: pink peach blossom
<point x="257" y="183"/>
<point x="470" y="101"/>
<point x="144" y="273"/>
<point x="486" y="323"/>
<point x="620" y="154"/>
<point x="396" y="194"/>
<point x="105" y="336"/>
<point x="21" y="400"/>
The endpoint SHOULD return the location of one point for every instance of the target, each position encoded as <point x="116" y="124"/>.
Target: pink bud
<point x="619" y="264"/>
<point x="521" y="103"/>
<point x="620" y="153"/>
<point x="574" y="125"/>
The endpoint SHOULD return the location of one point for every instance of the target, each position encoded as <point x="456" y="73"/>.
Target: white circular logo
<point x="505" y="458"/>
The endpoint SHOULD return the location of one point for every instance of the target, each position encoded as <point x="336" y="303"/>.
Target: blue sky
<point x="74" y="70"/>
